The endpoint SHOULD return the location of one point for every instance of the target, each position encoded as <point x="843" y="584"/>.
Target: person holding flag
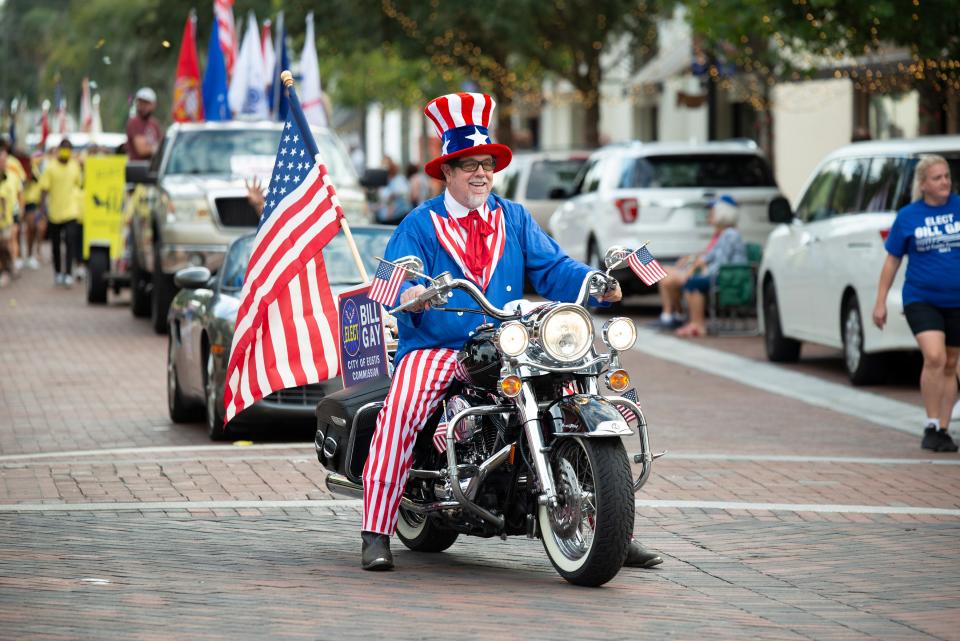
<point x="473" y="234"/>
<point x="143" y="130"/>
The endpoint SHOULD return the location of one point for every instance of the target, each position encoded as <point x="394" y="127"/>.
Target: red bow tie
<point x="477" y="253"/>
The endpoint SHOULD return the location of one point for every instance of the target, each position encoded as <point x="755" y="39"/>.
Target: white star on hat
<point x="443" y="152"/>
<point x="478" y="138"/>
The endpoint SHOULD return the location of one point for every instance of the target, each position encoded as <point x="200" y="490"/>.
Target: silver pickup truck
<point x="190" y="202"/>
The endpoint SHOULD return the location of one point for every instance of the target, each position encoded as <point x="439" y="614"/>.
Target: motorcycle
<point x="532" y="446"/>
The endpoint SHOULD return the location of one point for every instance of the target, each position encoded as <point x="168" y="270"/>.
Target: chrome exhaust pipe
<point x="340" y="484"/>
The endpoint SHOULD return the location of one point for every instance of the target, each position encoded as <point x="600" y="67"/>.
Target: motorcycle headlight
<point x="512" y="339"/>
<point x="619" y="333"/>
<point x="566" y="333"/>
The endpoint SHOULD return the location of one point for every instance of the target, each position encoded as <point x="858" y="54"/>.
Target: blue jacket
<point x="527" y="251"/>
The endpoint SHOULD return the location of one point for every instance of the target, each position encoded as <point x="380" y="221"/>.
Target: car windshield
<point x="371" y="242"/>
<point x="216" y="151"/>
<point x="713" y="170"/>
<point x="548" y="175"/>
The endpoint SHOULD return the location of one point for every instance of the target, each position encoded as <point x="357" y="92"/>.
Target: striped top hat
<point x="462" y="122"/>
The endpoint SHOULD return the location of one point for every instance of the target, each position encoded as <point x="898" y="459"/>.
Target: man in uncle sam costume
<point x="473" y="234"/>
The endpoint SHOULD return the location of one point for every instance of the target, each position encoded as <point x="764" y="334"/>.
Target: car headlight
<point x="566" y="333"/>
<point x="187" y="208"/>
<point x="512" y="339"/>
<point x="619" y="333"/>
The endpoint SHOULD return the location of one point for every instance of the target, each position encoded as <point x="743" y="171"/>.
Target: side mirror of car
<point x="138" y="172"/>
<point x="374" y="178"/>
<point x="558" y="193"/>
<point x="616" y="257"/>
<point x="778" y="211"/>
<point x="196" y="277"/>
<point x="412" y="265"/>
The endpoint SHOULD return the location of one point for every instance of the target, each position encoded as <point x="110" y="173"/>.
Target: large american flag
<point x="645" y="266"/>
<point x="223" y="10"/>
<point x="286" y="327"/>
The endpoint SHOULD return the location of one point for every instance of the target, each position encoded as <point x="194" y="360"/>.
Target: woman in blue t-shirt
<point x="928" y="232"/>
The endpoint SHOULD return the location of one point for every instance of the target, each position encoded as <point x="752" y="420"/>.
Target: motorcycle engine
<point x="475" y="438"/>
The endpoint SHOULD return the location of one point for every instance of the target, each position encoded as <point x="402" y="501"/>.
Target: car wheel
<point x="97" y="268"/>
<point x="780" y="349"/>
<point x="215" y="427"/>
<point x="163" y="291"/>
<point x="181" y="411"/>
<point x="862" y="368"/>
<point x="139" y="292"/>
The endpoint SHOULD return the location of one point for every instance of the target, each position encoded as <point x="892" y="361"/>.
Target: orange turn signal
<point x="618" y="380"/>
<point x="217" y="349"/>
<point x="510" y="386"/>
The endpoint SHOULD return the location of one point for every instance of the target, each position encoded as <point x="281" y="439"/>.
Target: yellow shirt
<point x="10" y="196"/>
<point x="61" y="182"/>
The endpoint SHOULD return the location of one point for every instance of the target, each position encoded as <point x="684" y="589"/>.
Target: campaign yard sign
<point x="363" y="350"/>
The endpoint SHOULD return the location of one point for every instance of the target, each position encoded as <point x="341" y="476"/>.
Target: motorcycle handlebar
<point x="444" y="287"/>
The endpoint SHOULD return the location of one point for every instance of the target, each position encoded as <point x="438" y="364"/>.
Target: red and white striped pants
<point x="419" y="384"/>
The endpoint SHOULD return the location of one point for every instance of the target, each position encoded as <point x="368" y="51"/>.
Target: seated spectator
<point x="696" y="273"/>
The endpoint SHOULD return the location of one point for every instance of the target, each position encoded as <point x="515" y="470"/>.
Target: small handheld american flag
<point x="628" y="414"/>
<point x="645" y="266"/>
<point x="386" y="283"/>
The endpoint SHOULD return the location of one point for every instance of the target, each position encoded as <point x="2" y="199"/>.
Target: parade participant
<point x="927" y="232"/>
<point x="143" y="130"/>
<point x="58" y="185"/>
<point x="476" y="235"/>
<point x="11" y="193"/>
<point x="34" y="217"/>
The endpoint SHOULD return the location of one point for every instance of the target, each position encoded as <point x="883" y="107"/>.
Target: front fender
<point x="589" y="416"/>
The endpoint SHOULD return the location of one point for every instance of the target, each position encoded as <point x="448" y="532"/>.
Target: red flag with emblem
<point x="187" y="102"/>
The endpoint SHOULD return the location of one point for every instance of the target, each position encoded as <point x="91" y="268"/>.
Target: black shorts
<point x="924" y="317"/>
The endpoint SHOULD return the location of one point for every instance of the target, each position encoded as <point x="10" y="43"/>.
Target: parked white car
<point x="660" y="192"/>
<point x="541" y="180"/>
<point x="822" y="263"/>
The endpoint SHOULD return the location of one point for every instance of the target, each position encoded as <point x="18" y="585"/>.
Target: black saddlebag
<point x="346" y="421"/>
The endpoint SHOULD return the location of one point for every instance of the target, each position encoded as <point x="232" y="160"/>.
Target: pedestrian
<point x="58" y="185"/>
<point x="455" y="232"/>
<point x="693" y="275"/>
<point x="927" y="232"/>
<point x="419" y="185"/>
<point x="143" y="130"/>
<point x="393" y="196"/>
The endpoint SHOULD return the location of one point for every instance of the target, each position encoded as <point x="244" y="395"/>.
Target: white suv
<point x="822" y="263"/>
<point x="659" y="192"/>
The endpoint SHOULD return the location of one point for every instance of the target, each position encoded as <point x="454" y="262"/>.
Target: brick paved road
<point x="778" y="520"/>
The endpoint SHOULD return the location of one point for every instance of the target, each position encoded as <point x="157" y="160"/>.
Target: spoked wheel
<point x="587" y="533"/>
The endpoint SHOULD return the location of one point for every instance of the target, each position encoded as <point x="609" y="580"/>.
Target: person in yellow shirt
<point x="34" y="218"/>
<point x="58" y="185"/>
<point x="14" y="167"/>
<point x="11" y="203"/>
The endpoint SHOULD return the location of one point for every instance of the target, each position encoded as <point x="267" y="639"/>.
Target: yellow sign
<point x="104" y="182"/>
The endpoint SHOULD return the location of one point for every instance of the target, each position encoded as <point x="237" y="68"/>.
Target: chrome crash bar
<point x="645" y="457"/>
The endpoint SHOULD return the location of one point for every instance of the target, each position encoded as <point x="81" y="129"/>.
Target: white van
<point x="821" y="265"/>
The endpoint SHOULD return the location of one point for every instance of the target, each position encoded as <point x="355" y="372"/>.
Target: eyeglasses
<point x="470" y="166"/>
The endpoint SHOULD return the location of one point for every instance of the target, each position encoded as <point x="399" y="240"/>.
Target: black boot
<point x="640" y="557"/>
<point x="375" y="551"/>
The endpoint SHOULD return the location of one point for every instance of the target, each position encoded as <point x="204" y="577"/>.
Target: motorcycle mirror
<point x="412" y="265"/>
<point x="616" y="257"/>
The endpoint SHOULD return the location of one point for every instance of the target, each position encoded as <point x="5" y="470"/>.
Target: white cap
<point x="146" y="94"/>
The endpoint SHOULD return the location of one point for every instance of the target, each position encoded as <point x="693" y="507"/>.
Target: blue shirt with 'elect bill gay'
<point x="930" y="237"/>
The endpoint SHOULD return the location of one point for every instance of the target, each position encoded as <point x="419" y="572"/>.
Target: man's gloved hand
<point x="611" y="296"/>
<point x="412" y="293"/>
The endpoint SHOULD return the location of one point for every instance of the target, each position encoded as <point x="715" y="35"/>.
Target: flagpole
<point x="297" y="111"/>
<point x="278" y="55"/>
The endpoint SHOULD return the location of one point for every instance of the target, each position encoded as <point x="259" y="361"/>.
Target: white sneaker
<point x="33" y="263"/>
<point x="58" y="280"/>
<point x="4" y="279"/>
<point x="18" y="264"/>
<point x="67" y="280"/>
<point x="80" y="272"/>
